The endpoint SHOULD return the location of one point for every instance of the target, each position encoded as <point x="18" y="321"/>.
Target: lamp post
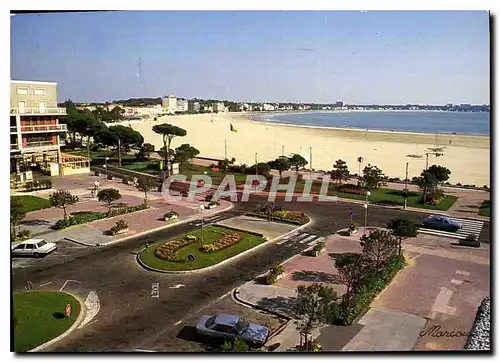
<point x="201" y="213"/>
<point x="406" y="188"/>
<point x="106" y="168"/>
<point x="256" y="164"/>
<point x="368" y="193"/>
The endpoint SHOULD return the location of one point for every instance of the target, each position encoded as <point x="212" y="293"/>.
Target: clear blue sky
<point x="358" y="57"/>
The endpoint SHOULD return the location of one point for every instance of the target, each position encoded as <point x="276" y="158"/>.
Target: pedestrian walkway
<point x="470" y="227"/>
<point x="300" y="238"/>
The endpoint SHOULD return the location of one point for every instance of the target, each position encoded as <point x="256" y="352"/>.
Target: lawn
<point x="39" y="317"/>
<point x="485" y="208"/>
<point x="33" y="203"/>
<point x="202" y="260"/>
<point x="381" y="196"/>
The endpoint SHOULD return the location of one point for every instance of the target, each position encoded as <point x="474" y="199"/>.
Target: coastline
<point x="467" y="156"/>
<point x="269" y="120"/>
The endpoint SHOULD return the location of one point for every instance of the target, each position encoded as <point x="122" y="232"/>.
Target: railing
<point x="39" y="144"/>
<point x="41" y="128"/>
<point x="51" y="110"/>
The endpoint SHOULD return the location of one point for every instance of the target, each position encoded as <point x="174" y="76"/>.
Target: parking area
<point x="182" y="337"/>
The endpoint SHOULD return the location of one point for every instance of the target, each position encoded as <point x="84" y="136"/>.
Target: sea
<point x="463" y="123"/>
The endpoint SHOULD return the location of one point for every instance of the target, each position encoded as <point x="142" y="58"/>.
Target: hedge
<point x="363" y="294"/>
<point x="85" y="218"/>
<point x="285" y="220"/>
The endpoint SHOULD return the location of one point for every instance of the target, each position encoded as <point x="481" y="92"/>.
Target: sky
<point x="372" y="57"/>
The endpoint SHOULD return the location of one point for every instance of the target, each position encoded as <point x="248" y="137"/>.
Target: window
<point x="39" y="91"/>
<point x="30" y="246"/>
<point x="41" y="243"/>
<point x="224" y="329"/>
<point x="210" y="321"/>
<point x="20" y="247"/>
<point x="22" y="91"/>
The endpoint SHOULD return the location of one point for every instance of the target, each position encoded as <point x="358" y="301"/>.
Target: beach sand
<point x="468" y="157"/>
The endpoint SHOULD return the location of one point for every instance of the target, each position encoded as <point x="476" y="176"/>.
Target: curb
<point x="77" y="322"/>
<point x="175" y="223"/>
<point x="141" y="263"/>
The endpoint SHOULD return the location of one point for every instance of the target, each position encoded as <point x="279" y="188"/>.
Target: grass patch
<point x="39" y="317"/>
<point x="485" y="208"/>
<point x="33" y="203"/>
<point x="203" y="260"/>
<point x="217" y="177"/>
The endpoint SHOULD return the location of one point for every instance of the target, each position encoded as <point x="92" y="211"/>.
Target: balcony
<point x="14" y="147"/>
<point x="29" y="146"/>
<point x="37" y="111"/>
<point x="41" y="128"/>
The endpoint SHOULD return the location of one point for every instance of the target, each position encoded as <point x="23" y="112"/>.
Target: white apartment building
<point x="219" y="107"/>
<point x="182" y="105"/>
<point x="267" y="107"/>
<point x="169" y="104"/>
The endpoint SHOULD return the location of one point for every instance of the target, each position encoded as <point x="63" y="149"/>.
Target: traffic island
<point x="192" y="252"/>
<point x="40" y="317"/>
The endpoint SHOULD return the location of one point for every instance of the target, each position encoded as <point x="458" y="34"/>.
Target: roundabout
<point x="198" y="250"/>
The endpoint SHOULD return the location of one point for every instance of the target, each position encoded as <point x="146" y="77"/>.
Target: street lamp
<point x="201" y="212"/>
<point x="368" y="193"/>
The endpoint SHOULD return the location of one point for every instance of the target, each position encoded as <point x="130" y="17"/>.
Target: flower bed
<point x="168" y="251"/>
<point x="85" y="218"/>
<point x="37" y="185"/>
<point x="22" y="235"/>
<point x="171" y="215"/>
<point x="226" y="241"/>
<point x="292" y="217"/>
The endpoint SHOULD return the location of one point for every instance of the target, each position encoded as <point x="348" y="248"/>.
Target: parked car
<point x="441" y="223"/>
<point x="33" y="247"/>
<point x="229" y="326"/>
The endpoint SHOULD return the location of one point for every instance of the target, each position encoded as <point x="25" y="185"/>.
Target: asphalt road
<point x="130" y="317"/>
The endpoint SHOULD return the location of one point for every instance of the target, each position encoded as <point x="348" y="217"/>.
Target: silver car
<point x="33" y="247"/>
<point x="227" y="326"/>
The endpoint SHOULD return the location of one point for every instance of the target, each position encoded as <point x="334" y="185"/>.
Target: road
<point x="130" y="317"/>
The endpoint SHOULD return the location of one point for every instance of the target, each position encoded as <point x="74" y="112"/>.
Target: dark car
<point x="229" y="326"/>
<point x="441" y="223"/>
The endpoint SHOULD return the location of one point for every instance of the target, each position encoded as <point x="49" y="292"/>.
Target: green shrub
<point x="319" y="246"/>
<point x="353" y="226"/>
<point x="23" y="235"/>
<point x="170" y="214"/>
<point x="120" y="225"/>
<point x="85" y="218"/>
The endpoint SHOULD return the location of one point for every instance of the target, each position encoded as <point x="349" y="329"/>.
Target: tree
<point x="373" y="177"/>
<point x="402" y="228"/>
<point x="360" y="161"/>
<point x="128" y="137"/>
<point x="146" y="184"/>
<point x="238" y="345"/>
<point x="185" y="153"/>
<point x="70" y="119"/>
<point x="17" y="214"/>
<point x="378" y="246"/>
<point x="145" y="151"/>
<point x="168" y="132"/>
<point x="63" y="199"/>
<point x="281" y="164"/>
<point x="427" y="182"/>
<point x="108" y="196"/>
<point x="315" y="304"/>
<point x="262" y="168"/>
<point x="340" y="171"/>
<point x="297" y="161"/>
<point x="223" y="165"/>
<point x="442" y="174"/>
<point x="351" y="270"/>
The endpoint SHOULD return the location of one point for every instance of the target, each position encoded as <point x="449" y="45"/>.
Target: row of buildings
<point x="173" y="105"/>
<point x="35" y="132"/>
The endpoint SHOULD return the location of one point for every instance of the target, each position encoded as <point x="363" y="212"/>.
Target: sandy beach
<point x="468" y="157"/>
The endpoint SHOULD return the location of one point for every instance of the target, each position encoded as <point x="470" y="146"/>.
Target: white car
<point x="33" y="247"/>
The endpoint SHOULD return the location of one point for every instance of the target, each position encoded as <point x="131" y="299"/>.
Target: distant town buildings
<point x="339" y="104"/>
<point x="194" y="107"/>
<point x="219" y="107"/>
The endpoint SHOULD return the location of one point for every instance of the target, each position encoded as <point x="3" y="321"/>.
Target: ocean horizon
<point x="460" y="123"/>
